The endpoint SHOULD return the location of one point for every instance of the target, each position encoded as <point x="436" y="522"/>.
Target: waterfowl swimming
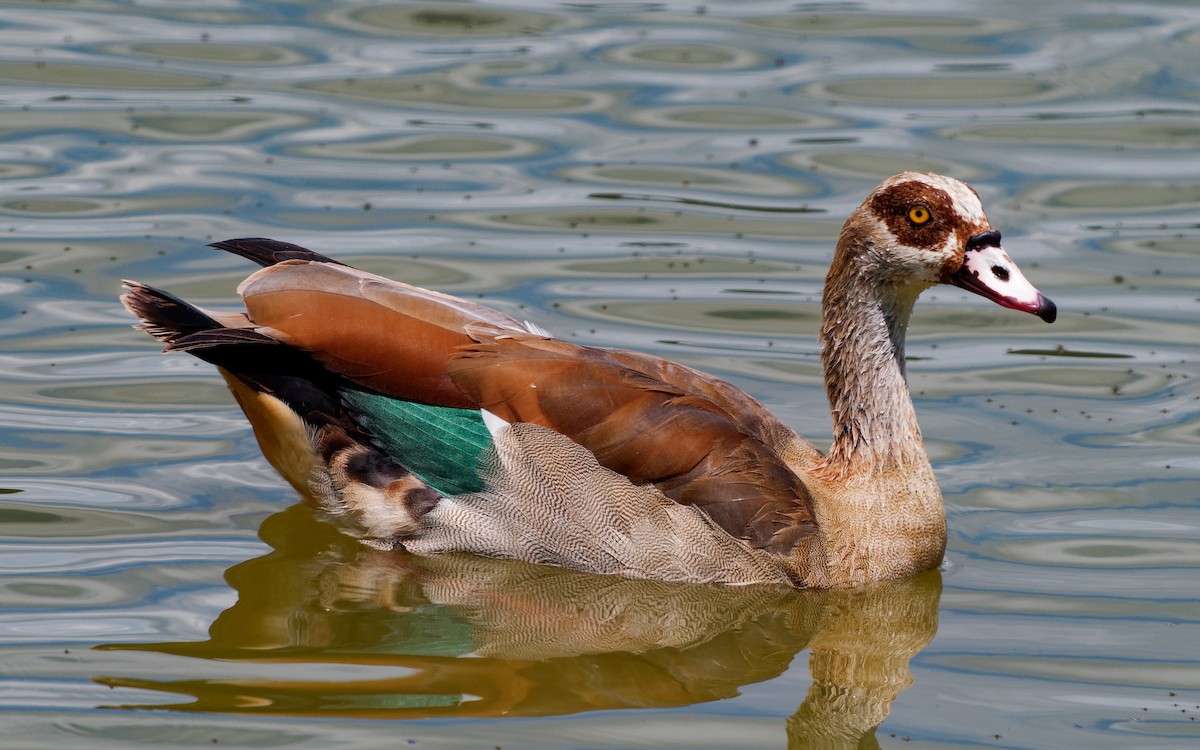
<point x="434" y="424"/>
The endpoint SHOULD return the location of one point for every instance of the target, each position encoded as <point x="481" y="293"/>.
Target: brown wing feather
<point x="747" y="412"/>
<point x="699" y="439"/>
<point x="670" y="432"/>
<point x="386" y="335"/>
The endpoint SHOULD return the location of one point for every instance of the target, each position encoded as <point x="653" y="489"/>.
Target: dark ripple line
<point x="706" y="203"/>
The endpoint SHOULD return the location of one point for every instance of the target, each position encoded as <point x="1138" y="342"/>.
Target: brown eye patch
<point x="917" y="214"/>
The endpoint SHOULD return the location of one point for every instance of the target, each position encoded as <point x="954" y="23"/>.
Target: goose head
<point x="919" y="229"/>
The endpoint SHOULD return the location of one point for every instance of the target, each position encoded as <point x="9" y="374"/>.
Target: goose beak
<point x="989" y="272"/>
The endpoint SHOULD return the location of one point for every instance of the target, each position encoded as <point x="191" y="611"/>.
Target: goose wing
<point x="701" y="441"/>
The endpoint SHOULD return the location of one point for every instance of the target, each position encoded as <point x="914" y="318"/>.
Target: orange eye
<point x="918" y="215"/>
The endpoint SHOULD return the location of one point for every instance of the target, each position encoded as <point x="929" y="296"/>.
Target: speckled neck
<point x="862" y="348"/>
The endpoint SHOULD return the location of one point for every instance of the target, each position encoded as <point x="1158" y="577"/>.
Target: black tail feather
<point x="267" y="252"/>
<point x="256" y="359"/>
<point x="220" y="337"/>
<point x="164" y="316"/>
<point x="351" y="465"/>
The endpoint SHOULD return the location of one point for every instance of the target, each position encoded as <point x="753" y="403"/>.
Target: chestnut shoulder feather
<point x="698" y="439"/>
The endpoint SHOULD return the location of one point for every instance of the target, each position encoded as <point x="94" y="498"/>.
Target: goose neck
<point x="862" y="349"/>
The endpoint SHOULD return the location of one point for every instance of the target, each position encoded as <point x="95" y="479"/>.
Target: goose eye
<point x="918" y="215"/>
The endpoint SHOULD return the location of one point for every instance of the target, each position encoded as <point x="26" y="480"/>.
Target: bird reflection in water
<point x="542" y="641"/>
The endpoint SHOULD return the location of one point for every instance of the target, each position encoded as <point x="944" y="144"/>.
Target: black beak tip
<point x="1047" y="310"/>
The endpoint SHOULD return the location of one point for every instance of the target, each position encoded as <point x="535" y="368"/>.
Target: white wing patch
<point x="493" y="423"/>
<point x="537" y="330"/>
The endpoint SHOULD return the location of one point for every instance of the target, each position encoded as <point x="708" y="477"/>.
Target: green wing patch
<point x="439" y="444"/>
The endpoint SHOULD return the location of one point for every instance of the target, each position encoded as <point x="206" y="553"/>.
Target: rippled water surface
<point x="664" y="176"/>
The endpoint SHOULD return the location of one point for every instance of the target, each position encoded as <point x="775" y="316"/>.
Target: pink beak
<point x="989" y="272"/>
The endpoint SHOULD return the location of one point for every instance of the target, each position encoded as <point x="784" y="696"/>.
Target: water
<point x="669" y="177"/>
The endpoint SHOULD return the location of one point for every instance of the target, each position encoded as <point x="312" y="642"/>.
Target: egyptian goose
<point x="433" y="424"/>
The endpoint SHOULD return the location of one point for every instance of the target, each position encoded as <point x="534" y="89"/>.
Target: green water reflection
<point x="353" y="632"/>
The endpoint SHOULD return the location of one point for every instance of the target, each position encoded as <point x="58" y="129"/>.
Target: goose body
<point x="433" y="424"/>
